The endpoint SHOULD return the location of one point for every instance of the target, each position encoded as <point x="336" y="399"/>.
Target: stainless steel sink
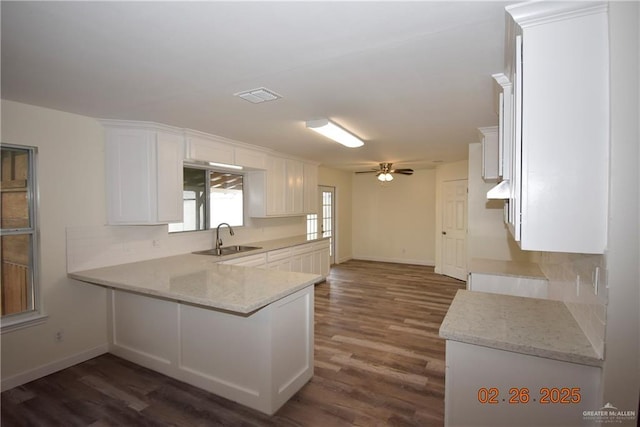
<point x="228" y="250"/>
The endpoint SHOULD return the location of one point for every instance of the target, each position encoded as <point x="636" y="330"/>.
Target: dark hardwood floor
<point x="378" y="362"/>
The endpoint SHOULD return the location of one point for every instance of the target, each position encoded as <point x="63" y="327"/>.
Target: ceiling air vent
<point x="256" y="96"/>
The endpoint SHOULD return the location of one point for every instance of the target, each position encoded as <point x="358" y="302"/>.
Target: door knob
<point x="444" y="232"/>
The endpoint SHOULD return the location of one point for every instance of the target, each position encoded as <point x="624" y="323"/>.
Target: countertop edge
<point x="241" y="309"/>
<point x="525" y="350"/>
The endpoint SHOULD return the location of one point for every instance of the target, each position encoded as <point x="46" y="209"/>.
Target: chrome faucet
<point x="218" y="239"/>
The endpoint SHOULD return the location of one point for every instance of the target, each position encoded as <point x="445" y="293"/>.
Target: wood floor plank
<point x="378" y="362"/>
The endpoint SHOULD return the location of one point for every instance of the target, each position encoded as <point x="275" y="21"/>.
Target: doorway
<point x="454" y="229"/>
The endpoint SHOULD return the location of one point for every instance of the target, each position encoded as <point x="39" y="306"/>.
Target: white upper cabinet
<point x="558" y="64"/>
<point x="490" y="155"/>
<point x="144" y="167"/>
<point x="249" y="158"/>
<point x="143" y="173"/>
<point x="282" y="189"/>
<point x="202" y="147"/>
<point x="205" y="148"/>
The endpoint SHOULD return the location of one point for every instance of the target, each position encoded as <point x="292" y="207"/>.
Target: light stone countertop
<point x="537" y="327"/>
<point x="506" y="268"/>
<point x="201" y="280"/>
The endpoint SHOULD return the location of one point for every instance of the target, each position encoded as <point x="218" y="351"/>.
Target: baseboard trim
<point x="50" y="368"/>
<point x="428" y="263"/>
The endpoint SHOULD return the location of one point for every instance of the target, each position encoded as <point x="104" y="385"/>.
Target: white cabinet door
<point x="279" y="190"/>
<point x="504" y="108"/>
<point x="561" y="78"/>
<point x="321" y="264"/>
<point x="294" y="187"/>
<point x="169" y="175"/>
<point x="248" y="158"/>
<point x="276" y="186"/>
<point x="144" y="175"/>
<point x="310" y="193"/>
<point x="490" y="153"/>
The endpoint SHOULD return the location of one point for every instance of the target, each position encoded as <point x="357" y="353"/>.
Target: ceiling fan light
<point x="335" y="132"/>
<point x="385" y="177"/>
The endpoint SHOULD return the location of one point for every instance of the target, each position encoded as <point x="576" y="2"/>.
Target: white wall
<point x="395" y="221"/>
<point x="445" y="172"/>
<point x="622" y="363"/>
<point x="341" y="181"/>
<point x="71" y="183"/>
<point x="488" y="236"/>
<point x="72" y="202"/>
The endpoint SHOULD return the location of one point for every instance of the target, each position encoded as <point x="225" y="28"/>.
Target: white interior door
<point x="454" y="229"/>
<point x="327" y="215"/>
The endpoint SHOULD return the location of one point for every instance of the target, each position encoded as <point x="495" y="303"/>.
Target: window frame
<point x="207" y="190"/>
<point x="35" y="315"/>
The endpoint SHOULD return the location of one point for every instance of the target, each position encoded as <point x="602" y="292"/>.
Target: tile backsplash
<point x="101" y="246"/>
<point x="571" y="280"/>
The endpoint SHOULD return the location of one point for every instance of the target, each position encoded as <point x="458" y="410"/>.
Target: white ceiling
<point x="410" y="78"/>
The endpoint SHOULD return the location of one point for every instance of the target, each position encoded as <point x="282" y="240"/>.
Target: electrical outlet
<point x="59" y="336"/>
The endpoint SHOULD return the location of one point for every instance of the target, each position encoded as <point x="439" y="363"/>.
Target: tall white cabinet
<point x="557" y="63"/>
<point x="287" y="188"/>
<point x="144" y="175"/>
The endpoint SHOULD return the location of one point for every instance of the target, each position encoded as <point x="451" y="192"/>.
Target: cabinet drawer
<point x="259" y="260"/>
<point x="278" y="254"/>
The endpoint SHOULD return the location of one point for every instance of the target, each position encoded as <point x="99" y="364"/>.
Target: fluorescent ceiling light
<point x="335" y="132"/>
<point x="224" y="165"/>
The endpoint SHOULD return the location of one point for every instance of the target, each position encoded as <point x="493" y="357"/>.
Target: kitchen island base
<point x="259" y="360"/>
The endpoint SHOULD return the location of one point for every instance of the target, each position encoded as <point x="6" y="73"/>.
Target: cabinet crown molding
<point x="132" y="124"/>
<point x="154" y="126"/>
<point x="541" y="12"/>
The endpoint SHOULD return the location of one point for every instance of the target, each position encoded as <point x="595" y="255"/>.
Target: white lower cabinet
<point x="508" y="285"/>
<point x="259" y="360"/>
<point x="310" y="258"/>
<point x="491" y="387"/>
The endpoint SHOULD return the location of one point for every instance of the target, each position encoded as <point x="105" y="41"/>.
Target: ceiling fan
<point x="385" y="173"/>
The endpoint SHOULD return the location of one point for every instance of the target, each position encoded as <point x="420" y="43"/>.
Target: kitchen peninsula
<point x="240" y="332"/>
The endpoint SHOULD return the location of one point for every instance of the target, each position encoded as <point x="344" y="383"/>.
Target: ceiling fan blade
<point x="371" y="171"/>
<point x="403" y="171"/>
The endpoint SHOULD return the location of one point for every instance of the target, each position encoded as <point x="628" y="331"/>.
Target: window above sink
<point x="210" y="197"/>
